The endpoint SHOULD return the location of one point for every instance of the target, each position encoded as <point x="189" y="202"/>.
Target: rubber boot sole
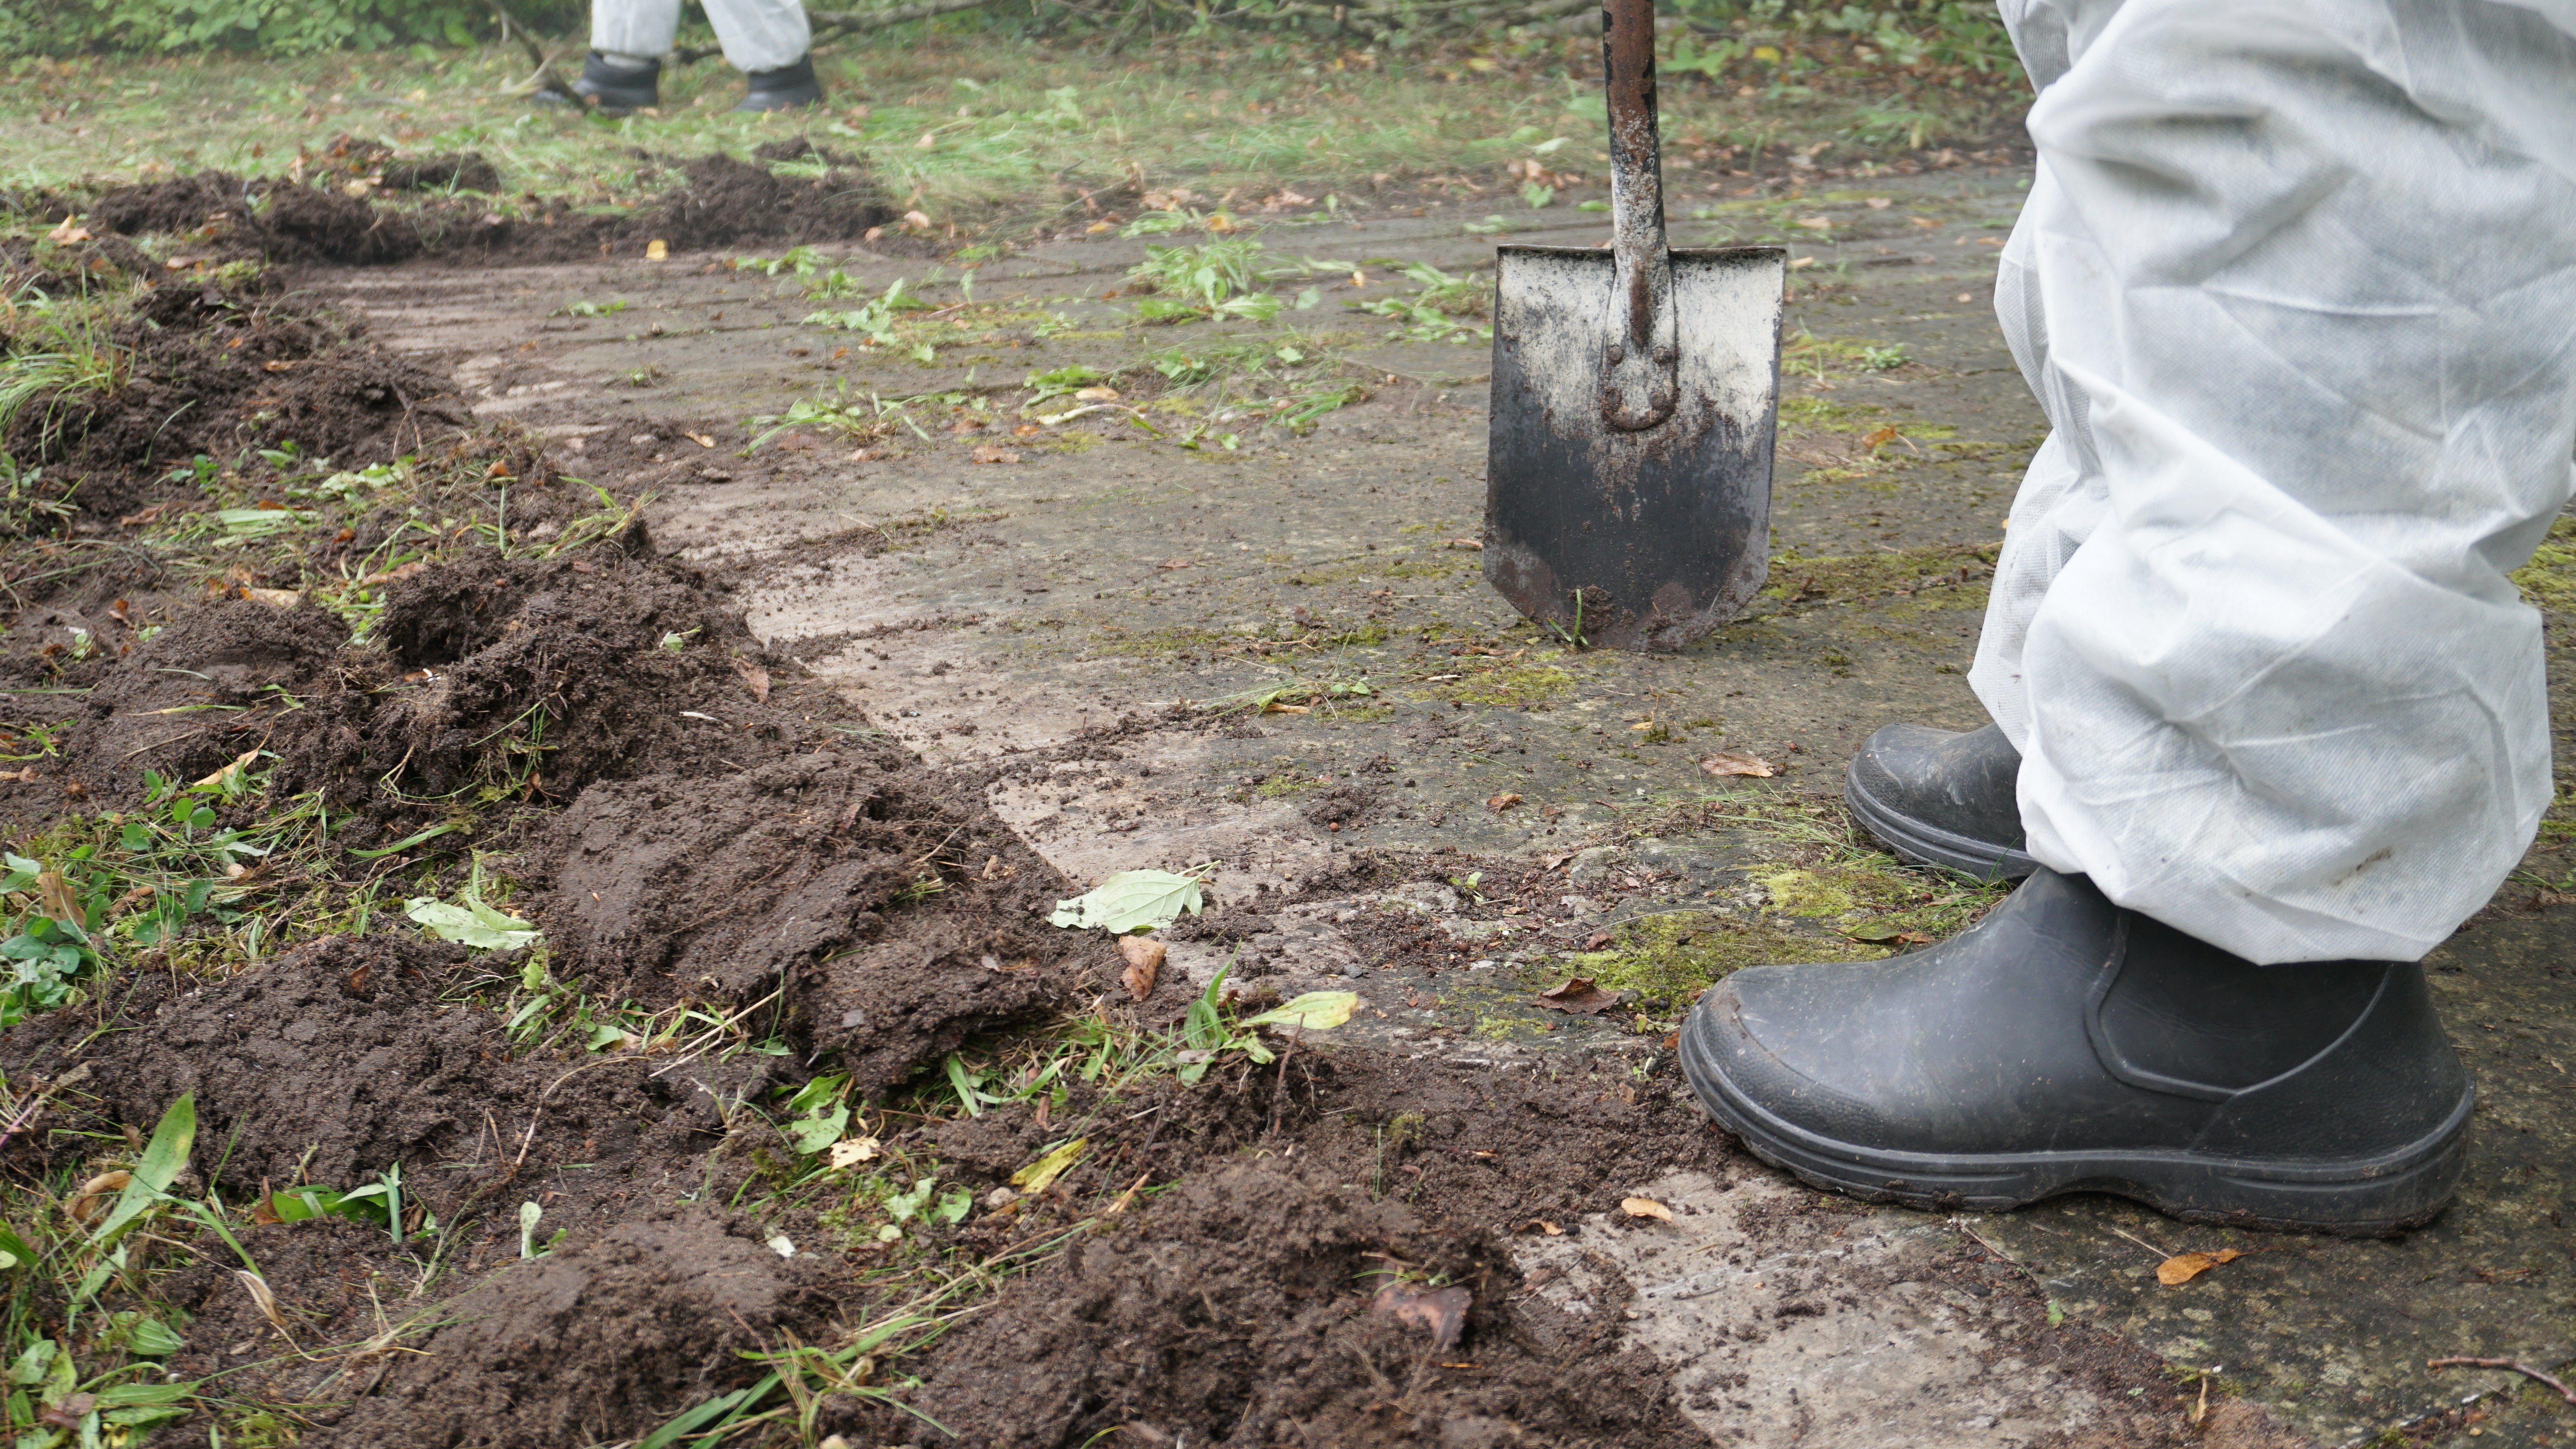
<point x="2365" y="1197"/>
<point x="1927" y="844"/>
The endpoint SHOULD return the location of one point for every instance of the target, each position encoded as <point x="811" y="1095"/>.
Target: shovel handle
<point x="1637" y="381"/>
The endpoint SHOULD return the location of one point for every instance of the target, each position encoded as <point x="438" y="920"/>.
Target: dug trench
<point x="769" y="1103"/>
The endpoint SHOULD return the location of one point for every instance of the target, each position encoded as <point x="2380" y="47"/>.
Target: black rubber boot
<point x="783" y="89"/>
<point x="617" y="89"/>
<point x="1939" y="798"/>
<point x="2067" y="1045"/>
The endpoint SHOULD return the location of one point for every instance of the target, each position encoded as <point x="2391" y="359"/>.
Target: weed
<point x="1217" y="279"/>
<point x="592" y="309"/>
<point x="1440" y="310"/>
<point x="1301" y="696"/>
<point x="66" y="357"/>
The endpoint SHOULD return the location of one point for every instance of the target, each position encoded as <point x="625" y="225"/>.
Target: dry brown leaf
<point x="1027" y="430"/>
<point x="755" y="678"/>
<point x="240" y="760"/>
<point x="1176" y="563"/>
<point x="1645" y="1207"/>
<point x="2181" y="1268"/>
<point x="1579" y="996"/>
<point x="992" y="453"/>
<point x="656" y="249"/>
<point x="91" y="1200"/>
<point x="278" y="598"/>
<point x="67" y="233"/>
<point x="703" y="440"/>
<point x="1726" y="763"/>
<point x="277" y="364"/>
<point x="1542" y="1225"/>
<point x="54" y="896"/>
<point x="1144" y="963"/>
<point x="1441" y="1312"/>
<point x="1500" y="803"/>
<point x="1880" y="437"/>
<point x="261" y="1294"/>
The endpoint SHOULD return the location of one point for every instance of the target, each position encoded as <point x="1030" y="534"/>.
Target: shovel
<point x="1628" y="478"/>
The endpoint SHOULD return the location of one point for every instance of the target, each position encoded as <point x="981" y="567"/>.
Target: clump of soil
<point x="198" y="693"/>
<point x="720" y="201"/>
<point x="1238" y="1310"/>
<point x="898" y="919"/>
<point x="599" y="1339"/>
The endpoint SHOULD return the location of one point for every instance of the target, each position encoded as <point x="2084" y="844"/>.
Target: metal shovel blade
<point x="1662" y="532"/>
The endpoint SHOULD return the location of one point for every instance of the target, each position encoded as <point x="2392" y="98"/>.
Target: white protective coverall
<point x="2296" y="285"/>
<point x="756" y="34"/>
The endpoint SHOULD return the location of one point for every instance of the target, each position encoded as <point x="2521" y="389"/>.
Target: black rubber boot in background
<point x="1939" y="798"/>
<point x="783" y="89"/>
<point x="617" y="88"/>
<point x="2067" y="1045"/>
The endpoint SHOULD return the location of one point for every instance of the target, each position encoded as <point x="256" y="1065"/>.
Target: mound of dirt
<point x="899" y="919"/>
<point x="196" y="695"/>
<point x="598" y="1341"/>
<point x="1238" y="1310"/>
<point x="720" y="201"/>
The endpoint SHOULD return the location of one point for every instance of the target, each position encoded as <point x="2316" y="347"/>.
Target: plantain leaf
<point x="1131" y="901"/>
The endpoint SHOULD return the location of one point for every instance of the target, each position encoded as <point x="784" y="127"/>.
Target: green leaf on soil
<point x="1131" y="901"/>
<point x="1038" y="1176"/>
<point x="471" y="924"/>
<point x="812" y="1134"/>
<point x="1314" y="1011"/>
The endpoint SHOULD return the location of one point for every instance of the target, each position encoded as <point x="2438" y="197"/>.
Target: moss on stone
<point x="1672" y="958"/>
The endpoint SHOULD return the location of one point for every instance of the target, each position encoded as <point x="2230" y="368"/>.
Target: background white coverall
<point x="756" y="34"/>
<point x="2296" y="285"/>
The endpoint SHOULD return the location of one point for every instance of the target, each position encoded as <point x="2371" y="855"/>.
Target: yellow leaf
<point x="2183" y="1267"/>
<point x="1038" y="1176"/>
<point x="853" y="1152"/>
<point x="1314" y="1011"/>
<point x="656" y="249"/>
<point x="1645" y="1207"/>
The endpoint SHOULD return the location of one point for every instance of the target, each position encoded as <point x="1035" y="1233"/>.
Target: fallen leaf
<point x="1096" y="394"/>
<point x="471" y="924"/>
<point x="54" y="897"/>
<point x="277" y="364"/>
<point x="703" y="440"/>
<point x="68" y="1413"/>
<point x="1131" y="901"/>
<point x="916" y="219"/>
<point x="1542" y="1225"/>
<point x="1598" y="941"/>
<point x="406" y="571"/>
<point x="1039" y="1175"/>
<point x="1724" y="763"/>
<point x="261" y="1294"/>
<point x="235" y="768"/>
<point x="1027" y="430"/>
<point x="1880" y="437"/>
<point x="86" y="1205"/>
<point x="1314" y="1011"/>
<point x="2181" y="1268"/>
<point x="1645" y="1207"/>
<point x="656" y="249"/>
<point x="854" y="1151"/>
<point x="1924" y="220"/>
<point x="1475" y="544"/>
<point x="137" y="520"/>
<point x="1816" y="223"/>
<point x="279" y="598"/>
<point x="1579" y="996"/>
<point x="755" y="678"/>
<point x="1500" y="803"/>
<point x="1176" y="563"/>
<point x="991" y="453"/>
<point x="1144" y="962"/>
<point x="1441" y="1312"/>
<point x="68" y="233"/>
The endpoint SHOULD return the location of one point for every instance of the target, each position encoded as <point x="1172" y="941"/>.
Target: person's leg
<point x="769" y="41"/>
<point x="2293" y="287"/>
<point x="628" y="39"/>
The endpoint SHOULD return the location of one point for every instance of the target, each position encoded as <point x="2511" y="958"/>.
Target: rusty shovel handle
<point x="1638" y="386"/>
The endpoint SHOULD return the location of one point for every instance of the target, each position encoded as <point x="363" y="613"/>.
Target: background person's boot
<point x="617" y="87"/>
<point x="782" y="89"/>
<point x="1942" y="798"/>
<point x="2067" y="1045"/>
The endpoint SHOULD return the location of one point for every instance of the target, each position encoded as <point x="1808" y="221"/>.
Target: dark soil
<point x="716" y="201"/>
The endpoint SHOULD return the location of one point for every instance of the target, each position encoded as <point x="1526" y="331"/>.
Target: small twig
<point x="2511" y="1366"/>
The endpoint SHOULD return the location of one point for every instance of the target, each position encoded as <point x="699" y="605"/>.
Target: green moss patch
<point x="1670" y="959"/>
<point x="1797" y="580"/>
<point x="1508" y="686"/>
<point x="2549" y="580"/>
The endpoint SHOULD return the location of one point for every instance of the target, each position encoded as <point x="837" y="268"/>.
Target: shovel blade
<point x="1663" y="532"/>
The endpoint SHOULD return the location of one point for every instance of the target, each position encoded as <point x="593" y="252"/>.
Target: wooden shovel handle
<point x="1636" y="169"/>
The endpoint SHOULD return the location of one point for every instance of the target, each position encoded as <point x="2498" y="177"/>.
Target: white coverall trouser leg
<point x="2296" y="285"/>
<point x="756" y="34"/>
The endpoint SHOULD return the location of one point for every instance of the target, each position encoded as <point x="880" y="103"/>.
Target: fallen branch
<point x="2510" y="1365"/>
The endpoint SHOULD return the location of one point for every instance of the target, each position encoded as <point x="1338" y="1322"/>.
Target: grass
<point x="966" y="124"/>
